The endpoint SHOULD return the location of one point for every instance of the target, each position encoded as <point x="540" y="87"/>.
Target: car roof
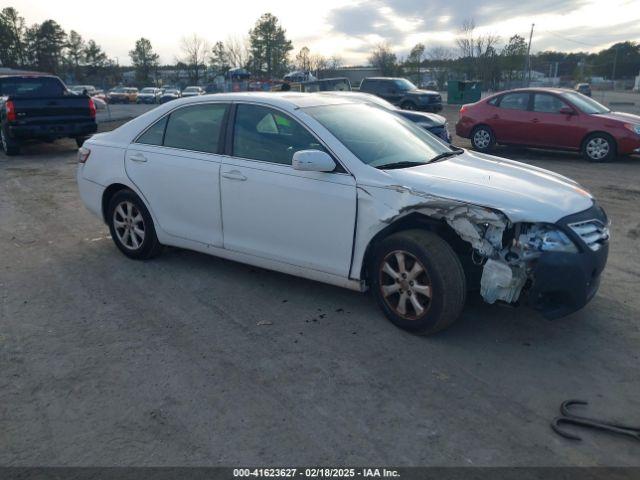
<point x="285" y="100"/>
<point x="537" y="89"/>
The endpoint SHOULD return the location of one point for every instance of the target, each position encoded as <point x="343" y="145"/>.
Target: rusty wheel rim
<point x="405" y="285"/>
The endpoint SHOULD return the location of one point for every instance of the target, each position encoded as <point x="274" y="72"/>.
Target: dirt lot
<point x="192" y="360"/>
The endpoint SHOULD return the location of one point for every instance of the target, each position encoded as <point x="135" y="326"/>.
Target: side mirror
<point x="313" y="161"/>
<point x="567" y="111"/>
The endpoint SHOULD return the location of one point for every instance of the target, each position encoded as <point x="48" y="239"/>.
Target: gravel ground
<point x="193" y="360"/>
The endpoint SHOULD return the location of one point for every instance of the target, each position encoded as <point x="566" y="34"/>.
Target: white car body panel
<point x="311" y="224"/>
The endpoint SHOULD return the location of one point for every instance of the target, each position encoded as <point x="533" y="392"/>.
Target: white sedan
<point x="348" y="194"/>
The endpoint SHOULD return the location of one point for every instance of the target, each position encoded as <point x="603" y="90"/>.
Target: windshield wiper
<point x="445" y="155"/>
<point x="405" y="164"/>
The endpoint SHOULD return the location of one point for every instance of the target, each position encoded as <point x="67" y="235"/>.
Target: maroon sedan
<point x="550" y="118"/>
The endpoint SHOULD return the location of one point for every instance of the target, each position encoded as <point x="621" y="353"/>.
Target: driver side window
<point x="262" y="133"/>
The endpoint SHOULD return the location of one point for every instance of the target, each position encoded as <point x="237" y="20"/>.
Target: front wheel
<point x="599" y="147"/>
<point x="482" y="139"/>
<point x="418" y="281"/>
<point x="131" y="226"/>
<point x="408" y="106"/>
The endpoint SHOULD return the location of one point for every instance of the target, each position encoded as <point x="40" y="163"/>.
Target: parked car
<point x="584" y="88"/>
<point x="340" y="84"/>
<point x="299" y="183"/>
<point x="403" y="93"/>
<point x="149" y="95"/>
<point x="193" y="91"/>
<point x="39" y="107"/>
<point x="170" y="94"/>
<point x="550" y="118"/>
<point x="429" y="85"/>
<point x="431" y="122"/>
<point x="123" y="95"/>
<point x="83" y="90"/>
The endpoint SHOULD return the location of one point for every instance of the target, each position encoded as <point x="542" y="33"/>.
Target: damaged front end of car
<point x="550" y="267"/>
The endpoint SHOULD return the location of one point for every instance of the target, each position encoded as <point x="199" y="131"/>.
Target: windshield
<point x="191" y="89"/>
<point x="404" y="85"/>
<point x="148" y="90"/>
<point x="584" y="103"/>
<point x="118" y="90"/>
<point x="31" y="86"/>
<point x="378" y="137"/>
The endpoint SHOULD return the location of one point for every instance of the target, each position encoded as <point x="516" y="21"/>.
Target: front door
<point x="270" y="210"/>
<point x="554" y="129"/>
<point x="176" y="166"/>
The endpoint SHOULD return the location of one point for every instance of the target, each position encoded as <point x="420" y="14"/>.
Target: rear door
<point x="511" y="120"/>
<point x="550" y="128"/>
<point x="176" y="166"/>
<point x="272" y="211"/>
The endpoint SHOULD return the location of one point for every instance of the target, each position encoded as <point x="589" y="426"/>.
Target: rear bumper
<point x="52" y="130"/>
<point x="90" y="193"/>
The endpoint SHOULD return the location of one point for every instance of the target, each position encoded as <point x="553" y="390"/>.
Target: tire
<point x="408" y="106"/>
<point x="9" y="146"/>
<point x="140" y="243"/>
<point x="599" y="147"/>
<point x="439" y="290"/>
<point x="80" y="141"/>
<point x="482" y="139"/>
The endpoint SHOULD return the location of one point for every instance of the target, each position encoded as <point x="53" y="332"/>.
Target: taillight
<point x="83" y="154"/>
<point x="92" y="108"/>
<point x="11" y="111"/>
<point x="463" y="109"/>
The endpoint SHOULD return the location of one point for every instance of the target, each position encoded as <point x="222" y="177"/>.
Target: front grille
<point x="592" y="232"/>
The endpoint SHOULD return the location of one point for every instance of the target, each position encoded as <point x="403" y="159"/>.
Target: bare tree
<point x="474" y="49"/>
<point x="195" y="50"/>
<point x="384" y="59"/>
<point x="440" y="53"/>
<point x="318" y="62"/>
<point x="335" y="62"/>
<point x="303" y="59"/>
<point x="237" y="50"/>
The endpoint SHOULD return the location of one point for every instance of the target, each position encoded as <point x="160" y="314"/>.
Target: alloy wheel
<point x="405" y="285"/>
<point x="597" y="148"/>
<point x="129" y="225"/>
<point x="481" y="139"/>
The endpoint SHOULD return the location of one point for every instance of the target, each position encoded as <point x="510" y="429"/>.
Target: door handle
<point x="234" y="175"/>
<point x="495" y="117"/>
<point x="535" y="120"/>
<point x="138" y="157"/>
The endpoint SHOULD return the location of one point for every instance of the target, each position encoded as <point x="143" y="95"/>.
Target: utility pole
<point x="613" y="73"/>
<point x="528" y="62"/>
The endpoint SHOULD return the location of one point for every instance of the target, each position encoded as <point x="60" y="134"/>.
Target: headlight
<point x="546" y="238"/>
<point x="634" y="128"/>
<point x="557" y="241"/>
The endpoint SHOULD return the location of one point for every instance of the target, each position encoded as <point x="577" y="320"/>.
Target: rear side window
<point x="545" y="103"/>
<point x="515" y="101"/>
<point x="195" y="128"/>
<point x="155" y="134"/>
<point x="32" y="87"/>
<point x="262" y="133"/>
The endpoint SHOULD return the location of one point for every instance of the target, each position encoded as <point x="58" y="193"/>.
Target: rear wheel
<point x="9" y="146"/>
<point x="482" y="139"/>
<point x="418" y="281"/>
<point x="80" y="141"/>
<point x="599" y="147"/>
<point x="131" y="226"/>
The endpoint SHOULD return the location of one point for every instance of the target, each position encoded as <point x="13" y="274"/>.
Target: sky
<point x="347" y="29"/>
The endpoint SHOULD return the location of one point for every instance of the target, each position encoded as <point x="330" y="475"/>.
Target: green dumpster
<point x="463" y="91"/>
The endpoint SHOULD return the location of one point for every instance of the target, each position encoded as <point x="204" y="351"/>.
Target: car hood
<point x="520" y="191"/>
<point x="419" y="91"/>
<point x="621" y="117"/>
<point x="431" y="119"/>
